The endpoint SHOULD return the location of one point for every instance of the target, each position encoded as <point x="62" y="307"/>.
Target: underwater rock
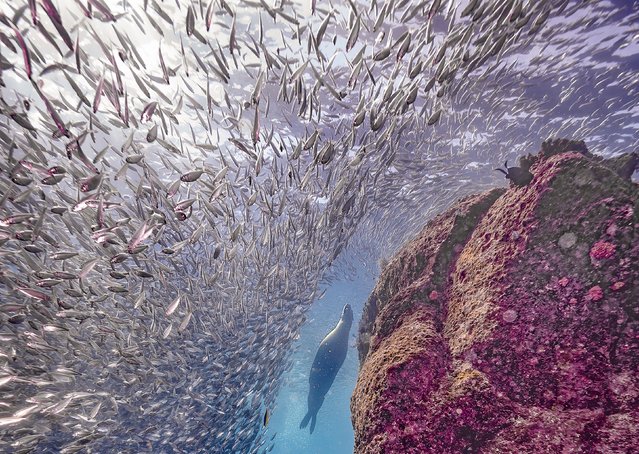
<point x="476" y="339"/>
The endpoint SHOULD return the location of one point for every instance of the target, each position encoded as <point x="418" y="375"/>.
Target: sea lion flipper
<point x="313" y="421"/>
<point x="305" y="421"/>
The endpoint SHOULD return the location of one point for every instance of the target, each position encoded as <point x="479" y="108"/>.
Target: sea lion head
<point x="347" y="313"/>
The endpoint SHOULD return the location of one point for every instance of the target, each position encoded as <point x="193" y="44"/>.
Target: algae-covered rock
<point x="511" y="323"/>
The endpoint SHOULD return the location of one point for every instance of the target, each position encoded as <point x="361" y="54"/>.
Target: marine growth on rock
<point x="530" y="347"/>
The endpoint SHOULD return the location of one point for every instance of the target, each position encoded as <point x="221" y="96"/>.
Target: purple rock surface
<point x="511" y="323"/>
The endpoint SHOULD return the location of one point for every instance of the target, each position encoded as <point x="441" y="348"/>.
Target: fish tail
<point x="305" y="421"/>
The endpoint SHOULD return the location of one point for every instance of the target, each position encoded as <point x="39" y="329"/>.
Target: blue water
<point x="333" y="433"/>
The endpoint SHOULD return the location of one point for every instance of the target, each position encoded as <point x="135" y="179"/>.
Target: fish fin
<point x="313" y="421"/>
<point x="305" y="421"/>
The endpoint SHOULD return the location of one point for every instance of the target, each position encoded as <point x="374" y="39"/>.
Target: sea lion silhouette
<point x="328" y="360"/>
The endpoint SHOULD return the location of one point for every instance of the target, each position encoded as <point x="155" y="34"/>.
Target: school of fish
<point x="179" y="177"/>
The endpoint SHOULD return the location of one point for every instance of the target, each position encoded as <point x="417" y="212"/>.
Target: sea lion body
<point x="328" y="360"/>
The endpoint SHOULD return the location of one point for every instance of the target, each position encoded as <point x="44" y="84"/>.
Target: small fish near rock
<point x="518" y="176"/>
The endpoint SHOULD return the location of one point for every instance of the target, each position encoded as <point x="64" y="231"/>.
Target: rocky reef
<point x="511" y="323"/>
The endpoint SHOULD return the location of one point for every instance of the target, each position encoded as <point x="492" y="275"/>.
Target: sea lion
<point x="328" y="360"/>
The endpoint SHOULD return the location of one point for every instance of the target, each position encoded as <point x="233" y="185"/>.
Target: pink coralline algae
<point x="602" y="250"/>
<point x="518" y="350"/>
<point x="617" y="286"/>
<point x="595" y="293"/>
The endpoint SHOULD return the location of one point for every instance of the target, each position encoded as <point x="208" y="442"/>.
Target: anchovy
<point x="190" y="21"/>
<point x="54" y="15"/>
<point x="352" y="37"/>
<point x="148" y="111"/>
<point x="23" y="45"/>
<point x="165" y="73"/>
<point x="52" y="179"/>
<point x="192" y="176"/>
<point x="434" y="118"/>
<point x="103" y="9"/>
<point x="183" y="205"/>
<point x="152" y="134"/>
<point x="61" y="128"/>
<point x="145" y="231"/>
<point x="209" y="16"/>
<point x="173" y="306"/>
<point x="98" y="93"/>
<point x="34" y="12"/>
